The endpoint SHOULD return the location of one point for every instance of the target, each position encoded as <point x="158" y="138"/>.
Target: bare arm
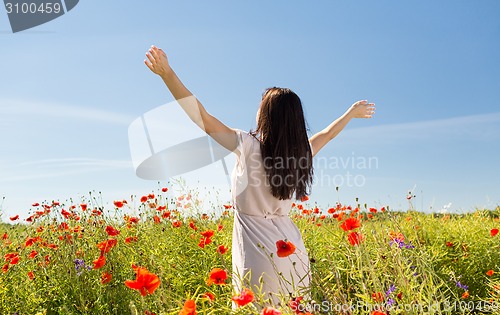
<point x="360" y="109"/>
<point x="158" y="63"/>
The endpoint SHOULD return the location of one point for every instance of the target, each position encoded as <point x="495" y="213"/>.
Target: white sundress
<point x="260" y="220"/>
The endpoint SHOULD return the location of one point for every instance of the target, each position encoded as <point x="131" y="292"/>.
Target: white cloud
<point x="57" y="168"/>
<point x="12" y="107"/>
<point x="476" y="126"/>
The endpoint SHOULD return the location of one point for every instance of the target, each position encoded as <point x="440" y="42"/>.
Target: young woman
<point x="273" y="166"/>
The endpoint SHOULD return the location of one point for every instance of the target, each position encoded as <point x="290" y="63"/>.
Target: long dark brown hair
<point x="285" y="149"/>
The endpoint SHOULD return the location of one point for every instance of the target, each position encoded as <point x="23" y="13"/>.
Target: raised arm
<point x="360" y="109"/>
<point x="157" y="62"/>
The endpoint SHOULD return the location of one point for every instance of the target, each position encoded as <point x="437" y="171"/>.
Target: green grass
<point x="443" y="249"/>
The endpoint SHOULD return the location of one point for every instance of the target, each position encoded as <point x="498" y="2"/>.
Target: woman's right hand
<point x="362" y="109"/>
<point x="157" y="61"/>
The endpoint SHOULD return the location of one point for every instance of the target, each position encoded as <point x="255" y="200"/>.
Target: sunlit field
<point x="155" y="254"/>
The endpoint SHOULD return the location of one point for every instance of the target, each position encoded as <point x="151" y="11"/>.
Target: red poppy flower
<point x="400" y="295"/>
<point x="208" y="233"/>
<point x="191" y="225"/>
<point x="270" y="311"/>
<point x="145" y="282"/>
<point x="378" y="297"/>
<point x="209" y="296"/>
<point x="373" y="210"/>
<point x="118" y="203"/>
<point x="219" y="227"/>
<point x="31" y="275"/>
<point x="378" y="313"/>
<point x="284" y="249"/>
<point x="350" y="224"/>
<point x="156" y="219"/>
<point x="112" y="231"/>
<point x="176" y="223"/>
<point x="494" y="232"/>
<point x="5" y="236"/>
<point x="131" y="239"/>
<point x="217" y="276"/>
<point x="165" y="214"/>
<point x="105" y="246"/>
<point x="164" y="189"/>
<point x="245" y="297"/>
<point x="189" y="308"/>
<point x="14" y="218"/>
<point x="465" y="295"/>
<point x="354" y="238"/>
<point x="151" y="196"/>
<point x="99" y="262"/>
<point x="228" y="206"/>
<point x="490" y="273"/>
<point x="36" y="204"/>
<point x="221" y="249"/>
<point x="30" y="241"/>
<point x="133" y="220"/>
<point x="106" y="277"/>
<point x="33" y="254"/>
<point x="144" y="199"/>
<point x="304" y="198"/>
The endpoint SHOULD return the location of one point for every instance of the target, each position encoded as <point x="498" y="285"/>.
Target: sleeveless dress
<point x="260" y="220"/>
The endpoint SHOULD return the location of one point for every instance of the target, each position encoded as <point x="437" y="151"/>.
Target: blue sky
<point x="70" y="88"/>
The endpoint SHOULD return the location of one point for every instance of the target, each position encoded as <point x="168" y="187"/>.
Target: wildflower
<point x="189" y="308"/>
<point x="164" y="189"/>
<point x="112" y="231"/>
<point x="106" y="277"/>
<point x="465" y="295"/>
<point x="284" y="248"/>
<point x="80" y="266"/>
<point x="219" y="227"/>
<point x="490" y="273"/>
<point x="350" y="224"/>
<point x="5" y="268"/>
<point x="146" y="282"/>
<point x="14" y="218"/>
<point x="355" y="238"/>
<point x="494" y="232"/>
<point x="449" y="244"/>
<point x="176" y="223"/>
<point x="36" y="204"/>
<point x="373" y="210"/>
<point x="401" y="244"/>
<point x="144" y="199"/>
<point x="156" y="219"/>
<point x="118" y="203"/>
<point x="33" y="254"/>
<point x="391" y="289"/>
<point x="221" y="249"/>
<point x="131" y="239"/>
<point x="227" y="207"/>
<point x="31" y="275"/>
<point x="378" y="313"/>
<point x="208" y="233"/>
<point x="270" y="311"/>
<point x="209" y="296"/>
<point x="400" y="295"/>
<point x="462" y="286"/>
<point x="151" y="196"/>
<point x="378" y="297"/>
<point x="245" y="297"/>
<point x="191" y="225"/>
<point x="217" y="276"/>
<point x="105" y="246"/>
<point x="304" y="198"/>
<point x="99" y="262"/>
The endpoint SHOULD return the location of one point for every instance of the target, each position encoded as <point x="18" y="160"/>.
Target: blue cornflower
<point x="392" y="288"/>
<point x="462" y="286"/>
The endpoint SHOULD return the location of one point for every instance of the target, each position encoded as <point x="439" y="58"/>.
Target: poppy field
<point x="159" y="254"/>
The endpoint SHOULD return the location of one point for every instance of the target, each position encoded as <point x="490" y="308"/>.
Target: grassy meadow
<point x="155" y="254"/>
